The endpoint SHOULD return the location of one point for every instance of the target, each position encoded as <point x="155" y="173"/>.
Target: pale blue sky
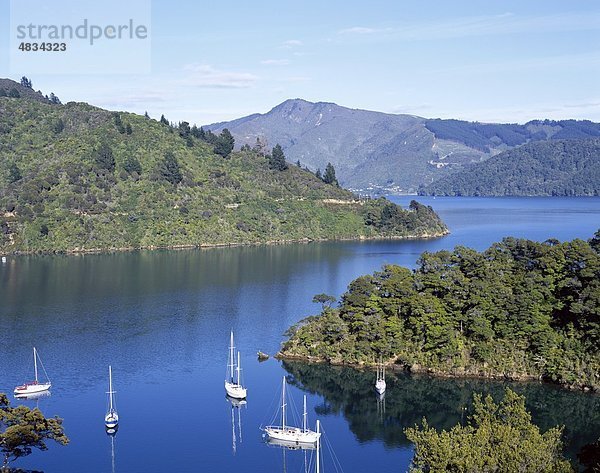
<point x="508" y="61"/>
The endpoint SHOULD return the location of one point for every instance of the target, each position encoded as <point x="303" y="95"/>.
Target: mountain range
<point x="390" y="153"/>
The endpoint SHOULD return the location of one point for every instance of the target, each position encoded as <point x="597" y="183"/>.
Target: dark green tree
<point x="25" y="82"/>
<point x="329" y="176"/>
<point x="170" y="169"/>
<point x="54" y="99"/>
<point x="324" y="299"/>
<point x="128" y="129"/>
<point x="132" y="165"/>
<point x="299" y="164"/>
<point x="104" y="158"/>
<point x="14" y="173"/>
<point x="184" y="129"/>
<point x="119" y="123"/>
<point x="498" y="437"/>
<point x="318" y="174"/>
<point x="25" y="429"/>
<point x="164" y="121"/>
<point x="277" y="159"/>
<point x="225" y="143"/>
<point x="58" y="127"/>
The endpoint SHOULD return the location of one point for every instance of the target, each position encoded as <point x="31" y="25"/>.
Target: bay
<point x="162" y="319"/>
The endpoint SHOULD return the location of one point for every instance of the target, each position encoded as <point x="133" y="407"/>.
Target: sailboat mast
<point x="283" y="405"/>
<point x="35" y="364"/>
<point x="110" y="389"/>
<point x="231" y="356"/>
<point x="238" y="369"/>
<point x="304" y="415"/>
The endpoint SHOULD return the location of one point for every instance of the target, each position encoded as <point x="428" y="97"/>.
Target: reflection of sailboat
<point x="34" y="386"/>
<point x="111" y="419"/>
<point x="380" y="382"/>
<point x="381" y="406"/>
<point x="112" y="434"/>
<point x="236" y="404"/>
<point x="234" y="388"/>
<point x="288" y="433"/>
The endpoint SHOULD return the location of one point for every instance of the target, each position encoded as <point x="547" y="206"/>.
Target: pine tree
<point x="318" y="174"/>
<point x="163" y="120"/>
<point x="170" y="169"/>
<point x="128" y="129"/>
<point x="225" y="143"/>
<point x="14" y="173"/>
<point x="329" y="176"/>
<point x="104" y="158"/>
<point x="25" y="82"/>
<point x="277" y="159"/>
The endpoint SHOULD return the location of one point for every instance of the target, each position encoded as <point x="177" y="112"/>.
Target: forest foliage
<point x="520" y="309"/>
<point x="497" y="437"/>
<point x="75" y="178"/>
<point x="551" y="168"/>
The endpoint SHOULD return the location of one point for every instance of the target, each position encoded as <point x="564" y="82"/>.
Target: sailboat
<point x="34" y="386"/>
<point x="286" y="433"/>
<point x="111" y="419"/>
<point x="380" y="382"/>
<point x="233" y="387"/>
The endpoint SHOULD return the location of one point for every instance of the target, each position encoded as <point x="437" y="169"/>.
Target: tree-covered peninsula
<point x="518" y="310"/>
<point x="75" y="177"/>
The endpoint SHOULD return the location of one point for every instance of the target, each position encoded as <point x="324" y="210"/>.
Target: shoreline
<point x="461" y="373"/>
<point x="201" y="246"/>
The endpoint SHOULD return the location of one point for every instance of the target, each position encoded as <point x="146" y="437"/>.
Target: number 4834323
<point x="43" y="47"/>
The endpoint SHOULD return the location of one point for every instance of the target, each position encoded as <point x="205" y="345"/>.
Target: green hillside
<point x="553" y="168"/>
<point x="78" y="178"/>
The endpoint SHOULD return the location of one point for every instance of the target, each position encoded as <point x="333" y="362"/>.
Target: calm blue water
<point x="162" y="320"/>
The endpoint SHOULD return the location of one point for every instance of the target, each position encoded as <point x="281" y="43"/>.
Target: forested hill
<point x="77" y="178"/>
<point x="557" y="168"/>
<point x="520" y="309"/>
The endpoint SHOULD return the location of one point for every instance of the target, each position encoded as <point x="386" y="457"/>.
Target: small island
<point x="520" y="310"/>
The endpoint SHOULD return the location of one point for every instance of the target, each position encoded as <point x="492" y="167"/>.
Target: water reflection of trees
<point x="444" y="402"/>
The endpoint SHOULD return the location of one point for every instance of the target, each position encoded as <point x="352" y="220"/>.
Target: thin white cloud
<point x="275" y="62"/>
<point x="291" y="43"/>
<point x="206" y="76"/>
<point x="358" y="30"/>
<point x="484" y="25"/>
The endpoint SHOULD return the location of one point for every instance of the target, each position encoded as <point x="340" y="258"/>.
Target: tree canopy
<point x="277" y="159"/>
<point x="520" y="309"/>
<point x="26" y="429"/>
<point x="497" y="437"/>
<point x="224" y="143"/>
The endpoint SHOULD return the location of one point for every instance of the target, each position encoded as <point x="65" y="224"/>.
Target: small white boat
<point x="234" y="388"/>
<point x="34" y="387"/>
<point x="289" y="434"/>
<point x="111" y="419"/>
<point x="380" y="382"/>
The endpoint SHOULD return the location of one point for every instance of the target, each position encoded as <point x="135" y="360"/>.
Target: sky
<point x="490" y="61"/>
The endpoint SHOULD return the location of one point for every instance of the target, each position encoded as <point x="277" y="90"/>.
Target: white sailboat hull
<point x="32" y="388"/>
<point x="235" y="391"/>
<point x="292" y="435"/>
<point x="111" y="420"/>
